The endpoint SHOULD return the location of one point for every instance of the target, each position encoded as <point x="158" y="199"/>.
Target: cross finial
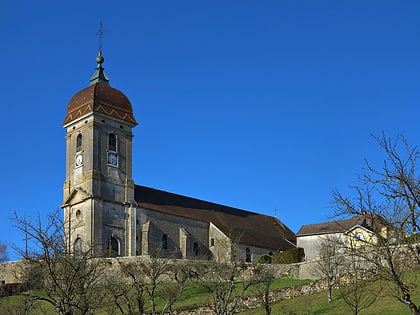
<point x="100" y="33"/>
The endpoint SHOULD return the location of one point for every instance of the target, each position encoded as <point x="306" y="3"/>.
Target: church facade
<point x="104" y="208"/>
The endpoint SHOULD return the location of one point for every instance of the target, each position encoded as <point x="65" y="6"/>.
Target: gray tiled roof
<point x="338" y="226"/>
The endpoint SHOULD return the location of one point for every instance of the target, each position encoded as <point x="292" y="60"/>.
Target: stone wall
<point x="10" y="272"/>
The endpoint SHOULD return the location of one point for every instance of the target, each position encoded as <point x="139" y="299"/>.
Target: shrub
<point x="290" y="256"/>
<point x="264" y="259"/>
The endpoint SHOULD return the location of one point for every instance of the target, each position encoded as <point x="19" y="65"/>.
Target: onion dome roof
<point x="100" y="97"/>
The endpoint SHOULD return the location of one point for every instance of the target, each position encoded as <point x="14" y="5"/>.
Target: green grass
<point x="314" y="304"/>
<point x="197" y="295"/>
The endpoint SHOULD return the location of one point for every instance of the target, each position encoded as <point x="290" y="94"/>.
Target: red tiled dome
<point x="100" y="98"/>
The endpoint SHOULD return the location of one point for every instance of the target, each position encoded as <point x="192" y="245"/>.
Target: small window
<point x="212" y="241"/>
<point x="113" y="247"/>
<point x="78" y="247"/>
<point x="359" y="236"/>
<point x="112" y="142"/>
<point x="247" y="255"/>
<point x="164" y="241"/>
<point x="196" y="249"/>
<point x="79" y="142"/>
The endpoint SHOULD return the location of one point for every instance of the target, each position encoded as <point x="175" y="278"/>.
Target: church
<point x="104" y="208"/>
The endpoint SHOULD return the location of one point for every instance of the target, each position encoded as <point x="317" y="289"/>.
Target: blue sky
<point x="262" y="105"/>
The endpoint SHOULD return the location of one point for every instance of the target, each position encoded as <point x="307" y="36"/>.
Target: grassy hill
<point x="316" y="303"/>
<point x="312" y="303"/>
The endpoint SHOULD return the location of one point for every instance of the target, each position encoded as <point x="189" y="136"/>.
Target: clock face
<point x="112" y="159"/>
<point x="79" y="160"/>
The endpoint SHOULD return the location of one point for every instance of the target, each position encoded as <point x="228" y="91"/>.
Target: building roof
<point x="242" y="226"/>
<point x="338" y="226"/>
<point x="100" y="97"/>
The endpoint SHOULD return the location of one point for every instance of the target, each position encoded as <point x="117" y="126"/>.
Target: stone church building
<point x="104" y="208"/>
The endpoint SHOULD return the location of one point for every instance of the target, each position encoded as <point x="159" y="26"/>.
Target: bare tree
<point x="69" y="282"/>
<point x="137" y="285"/>
<point x="122" y="295"/>
<point x="181" y="273"/>
<point x="155" y="270"/>
<point x="388" y="197"/>
<point x="358" y="284"/>
<point x="331" y="259"/>
<point x="3" y="252"/>
<point x="226" y="284"/>
<point x="265" y="275"/>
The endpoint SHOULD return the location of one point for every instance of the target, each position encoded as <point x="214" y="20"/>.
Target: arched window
<point x="78" y="247"/>
<point x="113" y="247"/>
<point x="359" y="236"/>
<point x="79" y="142"/>
<point x="196" y="249"/>
<point x="164" y="241"/>
<point x="112" y="142"/>
<point x="247" y="255"/>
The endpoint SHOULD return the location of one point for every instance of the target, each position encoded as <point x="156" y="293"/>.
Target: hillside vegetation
<point x="195" y="296"/>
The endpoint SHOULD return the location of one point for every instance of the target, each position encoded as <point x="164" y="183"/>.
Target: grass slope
<point x="314" y="304"/>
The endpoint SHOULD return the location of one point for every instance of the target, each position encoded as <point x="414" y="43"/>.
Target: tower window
<point x="112" y="142"/>
<point x="79" y="142"/>
<point x="78" y="247"/>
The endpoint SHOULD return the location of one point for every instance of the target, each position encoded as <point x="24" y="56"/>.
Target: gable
<point x="76" y="196"/>
<point x="371" y="222"/>
<point x="359" y="229"/>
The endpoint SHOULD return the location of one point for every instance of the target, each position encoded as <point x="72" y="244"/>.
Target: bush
<point x="264" y="259"/>
<point x="290" y="256"/>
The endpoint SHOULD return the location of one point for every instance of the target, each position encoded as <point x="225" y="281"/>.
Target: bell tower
<point x="99" y="189"/>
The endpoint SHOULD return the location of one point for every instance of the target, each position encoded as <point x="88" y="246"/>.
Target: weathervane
<point x="100" y="33"/>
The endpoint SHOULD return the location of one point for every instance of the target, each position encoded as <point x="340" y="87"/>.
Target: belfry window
<point x="112" y="142"/>
<point x="79" y="142"/>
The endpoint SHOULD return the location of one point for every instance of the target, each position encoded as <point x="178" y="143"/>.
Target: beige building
<point x="355" y="231"/>
<point x="104" y="208"/>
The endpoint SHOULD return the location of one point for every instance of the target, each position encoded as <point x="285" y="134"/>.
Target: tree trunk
<point x="414" y="309"/>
